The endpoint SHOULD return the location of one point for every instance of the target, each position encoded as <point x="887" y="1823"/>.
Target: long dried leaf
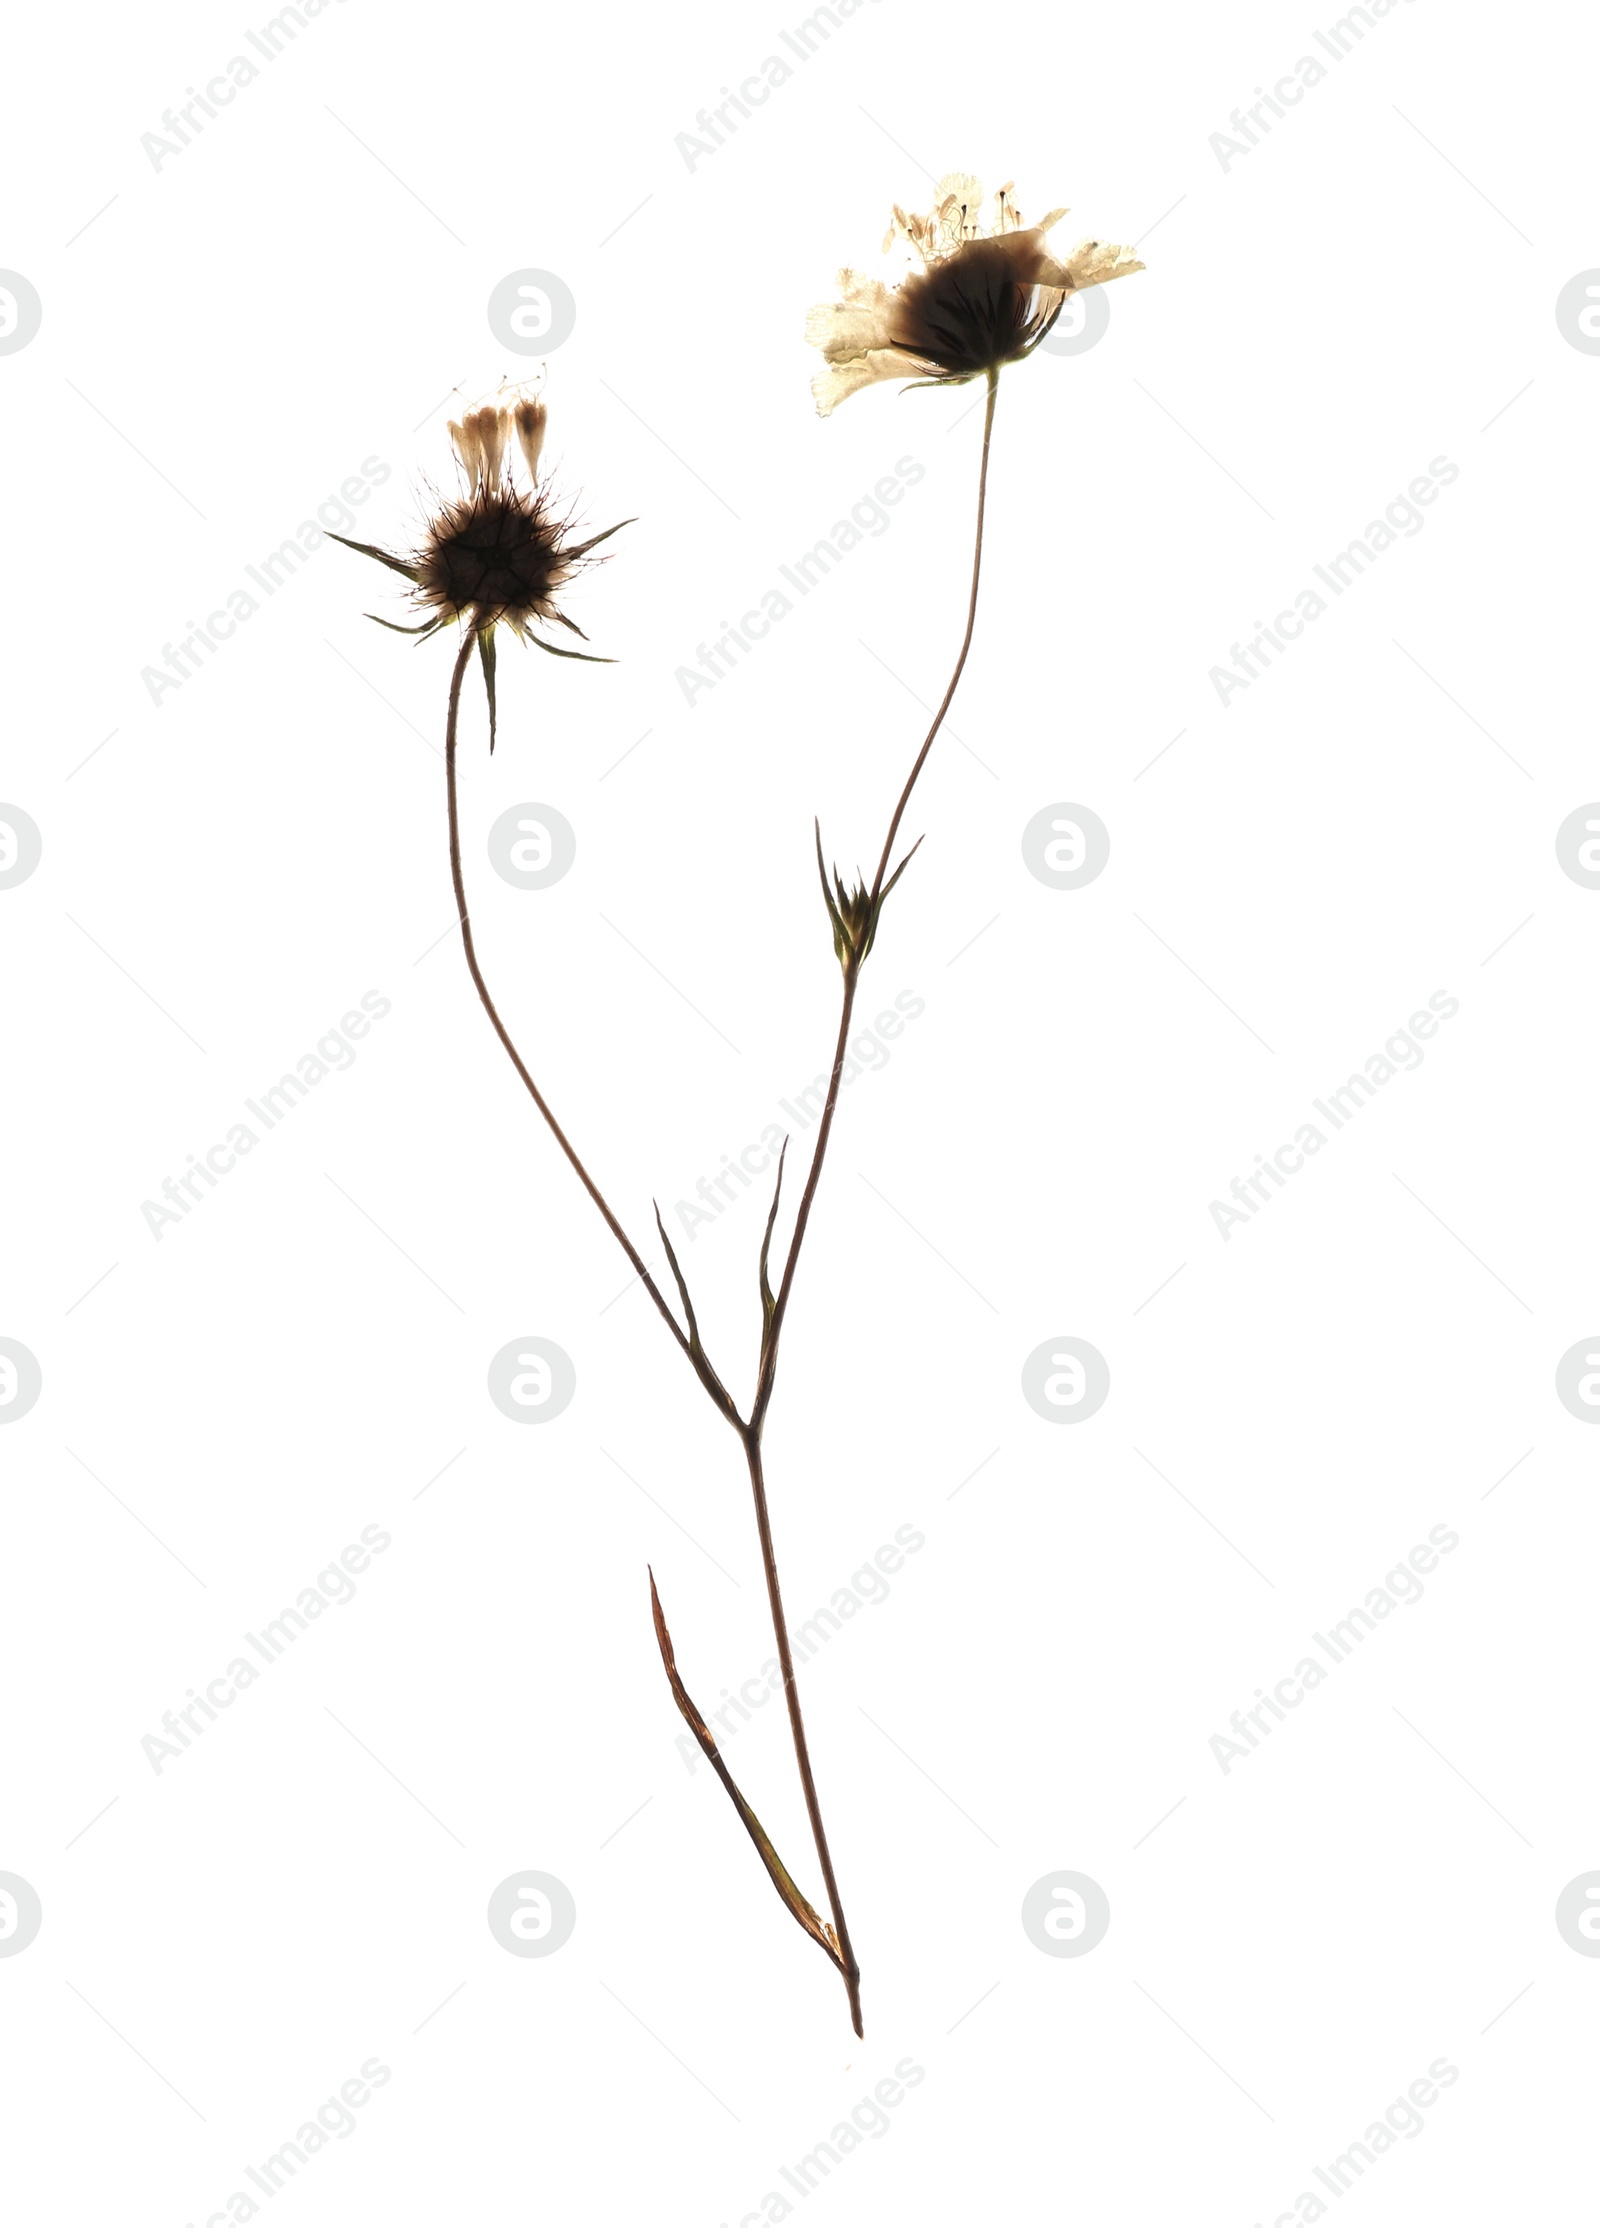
<point x="683" y="1288"/>
<point x="778" y="1872"/>
<point x="883" y="894"/>
<point x="768" y="1303"/>
<point x="554" y="651"/>
<point x="427" y="627"/>
<point x="365" y="549"/>
<point x="594" y="541"/>
<point x="486" y="652"/>
<point x="840" y="939"/>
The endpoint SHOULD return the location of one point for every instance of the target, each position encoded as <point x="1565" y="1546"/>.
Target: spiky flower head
<point x="854" y="911"/>
<point x="497" y="551"/>
<point x="982" y="294"/>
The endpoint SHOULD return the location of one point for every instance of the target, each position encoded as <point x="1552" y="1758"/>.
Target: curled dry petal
<point x="492" y="438"/>
<point x="529" y="416"/>
<point x="468" y="446"/>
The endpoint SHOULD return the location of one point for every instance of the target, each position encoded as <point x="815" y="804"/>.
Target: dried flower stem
<point x="749" y="1428"/>
<point x="766" y="1381"/>
<point x="708" y="1377"/>
<point x="791" y="1695"/>
<point x="851" y="969"/>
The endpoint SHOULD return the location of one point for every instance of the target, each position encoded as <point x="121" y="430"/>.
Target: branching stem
<point x="749" y="1428"/>
<point x="851" y="968"/>
<point x="702" y="1368"/>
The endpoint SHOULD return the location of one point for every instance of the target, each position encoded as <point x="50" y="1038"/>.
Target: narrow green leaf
<point x="872" y="925"/>
<point x="768" y="1303"/>
<point x="900" y="869"/>
<point x="486" y="652"/>
<point x="582" y="655"/>
<point x="428" y="626"/>
<point x="839" y="938"/>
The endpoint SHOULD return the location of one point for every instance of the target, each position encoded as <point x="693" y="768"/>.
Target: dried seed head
<point x="497" y="554"/>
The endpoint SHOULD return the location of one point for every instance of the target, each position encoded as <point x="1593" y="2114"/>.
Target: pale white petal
<point x="839" y="381"/>
<point x="1091" y="263"/>
<point x="469" y="446"/>
<point x="493" y="426"/>
<point x="864" y="319"/>
<point x="958" y="199"/>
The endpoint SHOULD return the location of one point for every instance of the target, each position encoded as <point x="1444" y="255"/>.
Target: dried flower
<point x="854" y="912"/>
<point x="497" y="554"/>
<point x="983" y="296"/>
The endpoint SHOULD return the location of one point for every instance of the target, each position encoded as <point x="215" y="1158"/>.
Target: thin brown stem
<point x="767" y="1376"/>
<point x="695" y="1356"/>
<point x="791" y="1695"/>
<point x="769" y="1349"/>
<point x="966" y="639"/>
<point x="749" y="1430"/>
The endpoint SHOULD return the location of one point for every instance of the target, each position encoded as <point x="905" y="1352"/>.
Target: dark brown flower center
<point x="499" y="552"/>
<point x="975" y="308"/>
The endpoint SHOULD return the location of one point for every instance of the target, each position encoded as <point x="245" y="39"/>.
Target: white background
<point x="1298" y="1939"/>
